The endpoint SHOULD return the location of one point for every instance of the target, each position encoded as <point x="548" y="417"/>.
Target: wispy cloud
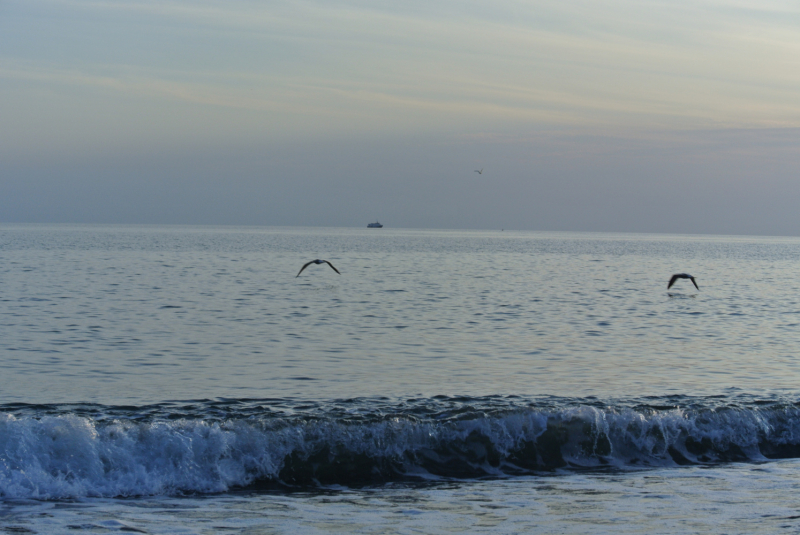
<point x="677" y="64"/>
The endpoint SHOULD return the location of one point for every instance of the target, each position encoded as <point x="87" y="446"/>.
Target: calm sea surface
<point x="184" y="380"/>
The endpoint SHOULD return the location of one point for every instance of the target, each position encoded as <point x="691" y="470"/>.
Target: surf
<point x="60" y="452"/>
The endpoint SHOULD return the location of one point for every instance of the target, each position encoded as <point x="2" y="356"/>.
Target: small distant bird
<point x="479" y="172"/>
<point x="681" y="276"/>
<point x="317" y="261"/>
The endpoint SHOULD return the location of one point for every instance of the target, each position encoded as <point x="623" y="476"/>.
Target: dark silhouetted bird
<point x="681" y="276"/>
<point x="317" y="261"/>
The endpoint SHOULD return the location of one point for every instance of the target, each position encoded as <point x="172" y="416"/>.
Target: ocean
<point x="168" y="379"/>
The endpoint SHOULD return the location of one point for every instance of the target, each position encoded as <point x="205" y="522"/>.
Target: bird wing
<point x="302" y="268"/>
<point x="695" y="283"/>
<point x="336" y="270"/>
<point x="672" y="281"/>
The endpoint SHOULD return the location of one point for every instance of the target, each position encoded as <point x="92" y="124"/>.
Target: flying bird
<point x="681" y="276"/>
<point x="317" y="261"/>
<point x="479" y="172"/>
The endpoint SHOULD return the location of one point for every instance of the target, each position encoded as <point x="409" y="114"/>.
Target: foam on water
<point x="69" y="455"/>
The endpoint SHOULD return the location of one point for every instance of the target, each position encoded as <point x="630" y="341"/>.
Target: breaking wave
<point x="49" y="452"/>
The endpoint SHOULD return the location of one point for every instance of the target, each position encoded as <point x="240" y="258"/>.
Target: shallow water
<point x="740" y="498"/>
<point x="162" y="362"/>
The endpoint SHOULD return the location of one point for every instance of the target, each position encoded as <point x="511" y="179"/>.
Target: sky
<point x="678" y="116"/>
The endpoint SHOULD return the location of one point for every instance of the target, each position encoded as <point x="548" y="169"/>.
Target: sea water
<point x="185" y="380"/>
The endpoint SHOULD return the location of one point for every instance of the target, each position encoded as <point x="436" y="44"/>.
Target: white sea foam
<point x="67" y="455"/>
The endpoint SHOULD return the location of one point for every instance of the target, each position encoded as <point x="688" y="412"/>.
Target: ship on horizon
<point x="376" y="224"/>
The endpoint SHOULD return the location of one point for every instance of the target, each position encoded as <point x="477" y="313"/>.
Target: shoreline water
<point x="182" y="367"/>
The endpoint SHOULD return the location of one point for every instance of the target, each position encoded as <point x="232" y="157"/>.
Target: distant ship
<point x="375" y="225"/>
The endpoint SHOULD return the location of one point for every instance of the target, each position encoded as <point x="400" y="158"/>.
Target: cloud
<point x="313" y="68"/>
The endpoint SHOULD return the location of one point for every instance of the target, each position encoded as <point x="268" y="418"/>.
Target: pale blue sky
<point x="621" y="115"/>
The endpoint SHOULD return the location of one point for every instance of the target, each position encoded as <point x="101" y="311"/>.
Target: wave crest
<point x="70" y="455"/>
